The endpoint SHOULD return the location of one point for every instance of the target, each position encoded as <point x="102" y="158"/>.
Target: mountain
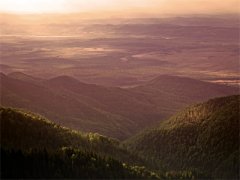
<point x="204" y="137"/>
<point x="201" y="141"/>
<point x="130" y="108"/>
<point x="173" y="93"/>
<point x="23" y="130"/>
<point x="33" y="147"/>
<point x="24" y="77"/>
<point x="110" y="111"/>
<point x="90" y="108"/>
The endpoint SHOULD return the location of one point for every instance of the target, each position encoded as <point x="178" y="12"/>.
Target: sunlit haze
<point x="130" y="6"/>
<point x="119" y="89"/>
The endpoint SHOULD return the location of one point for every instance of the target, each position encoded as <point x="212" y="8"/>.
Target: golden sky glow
<point x="144" y="6"/>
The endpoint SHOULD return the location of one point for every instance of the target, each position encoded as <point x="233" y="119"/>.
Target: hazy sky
<point x="129" y="6"/>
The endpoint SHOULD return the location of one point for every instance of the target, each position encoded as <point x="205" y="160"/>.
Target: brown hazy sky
<point x="123" y="6"/>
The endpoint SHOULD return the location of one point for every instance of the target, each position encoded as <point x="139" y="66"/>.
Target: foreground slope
<point x="24" y="130"/>
<point x="33" y="147"/>
<point x="66" y="163"/>
<point x="204" y="137"/>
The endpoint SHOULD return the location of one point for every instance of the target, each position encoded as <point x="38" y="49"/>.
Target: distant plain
<point x="122" y="52"/>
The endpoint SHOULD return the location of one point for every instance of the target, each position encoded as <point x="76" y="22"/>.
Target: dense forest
<point x="66" y="162"/>
<point x="204" y="137"/>
<point x="23" y="130"/>
<point x="201" y="141"/>
<point x="34" y="147"/>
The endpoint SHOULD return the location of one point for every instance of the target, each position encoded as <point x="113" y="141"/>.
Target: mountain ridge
<point x="21" y="129"/>
<point x="34" y="147"/>
<point x="204" y="137"/>
<point x="111" y="111"/>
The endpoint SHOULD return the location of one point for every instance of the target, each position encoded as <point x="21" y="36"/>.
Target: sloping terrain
<point x="33" y="147"/>
<point x="66" y="163"/>
<point x="25" y="77"/>
<point x="24" y="130"/>
<point x="172" y="93"/>
<point x="110" y="111"/>
<point x="204" y="137"/>
<point x="90" y="108"/>
<point x="201" y="141"/>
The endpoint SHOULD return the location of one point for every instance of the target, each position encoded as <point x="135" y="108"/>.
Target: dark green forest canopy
<point x="201" y="141"/>
<point x="24" y="130"/>
<point x="66" y="163"/>
<point x="34" y="147"/>
<point x="203" y="137"/>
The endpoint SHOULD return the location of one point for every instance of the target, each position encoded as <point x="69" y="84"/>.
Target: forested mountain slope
<point x="33" y="147"/>
<point x="24" y="130"/>
<point x="204" y="137"/>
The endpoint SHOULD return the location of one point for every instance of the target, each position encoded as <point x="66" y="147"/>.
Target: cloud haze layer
<point x="123" y="6"/>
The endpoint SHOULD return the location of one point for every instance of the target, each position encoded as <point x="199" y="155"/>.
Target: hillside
<point x="204" y="137"/>
<point x="173" y="93"/>
<point x="111" y="111"/>
<point x="66" y="163"/>
<point x="24" y="130"/>
<point x="34" y="147"/>
<point x="89" y="108"/>
<point x="24" y="77"/>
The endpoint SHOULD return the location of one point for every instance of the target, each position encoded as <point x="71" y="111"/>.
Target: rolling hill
<point x="33" y="147"/>
<point x="201" y="141"/>
<point x="204" y="137"/>
<point x="170" y="94"/>
<point x="23" y="130"/>
<point x="24" y="77"/>
<point x="89" y="108"/>
<point x="110" y="111"/>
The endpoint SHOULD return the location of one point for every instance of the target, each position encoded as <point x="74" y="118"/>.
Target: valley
<point x="145" y="97"/>
<point x="198" y="142"/>
<point x="112" y="111"/>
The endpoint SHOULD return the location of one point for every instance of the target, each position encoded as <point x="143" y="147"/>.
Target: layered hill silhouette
<point x="90" y="108"/>
<point x="34" y="147"/>
<point x="173" y="93"/>
<point x="23" y="130"/>
<point x="110" y="111"/>
<point x="25" y="77"/>
<point x="204" y="137"/>
<point x="198" y="142"/>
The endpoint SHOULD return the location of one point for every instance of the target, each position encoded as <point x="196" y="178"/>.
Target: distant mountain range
<point x="111" y="111"/>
